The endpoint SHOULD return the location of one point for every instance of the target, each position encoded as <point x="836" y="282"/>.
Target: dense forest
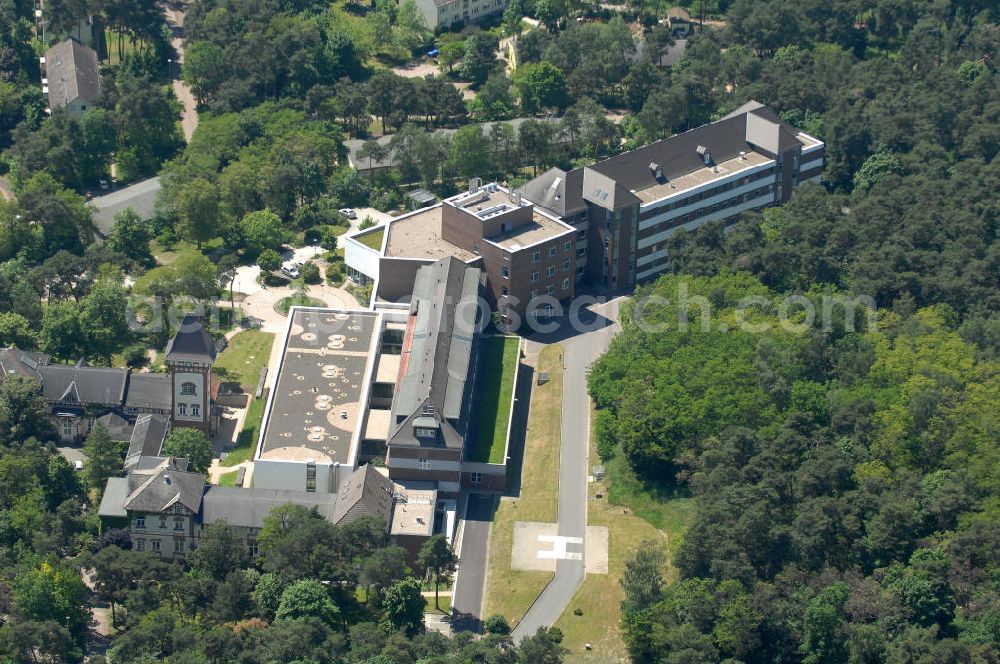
<point x="844" y="475"/>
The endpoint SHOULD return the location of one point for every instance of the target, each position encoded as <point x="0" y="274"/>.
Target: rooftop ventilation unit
<point x="657" y="171"/>
<point x="705" y="154"/>
<point x="743" y="155"/>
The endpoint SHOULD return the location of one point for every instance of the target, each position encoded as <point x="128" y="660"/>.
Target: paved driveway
<point x="467" y="602"/>
<point x="140" y="196"/>
<point x="580" y="351"/>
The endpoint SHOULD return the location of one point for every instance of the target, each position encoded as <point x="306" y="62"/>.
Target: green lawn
<point x="247" y="440"/>
<point x="166" y="256"/>
<point x="444" y="604"/>
<point x="244" y="357"/>
<point x="372" y="239"/>
<point x="497" y="366"/>
<point x="665" y="510"/>
<point x="297" y="300"/>
<point x="228" y="479"/>
<point x="511" y="592"/>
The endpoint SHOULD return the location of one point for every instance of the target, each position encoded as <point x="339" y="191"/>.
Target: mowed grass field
<point x="508" y="592"/>
<point x="497" y="366"/>
<point x="626" y="508"/>
<point x="244" y="357"/>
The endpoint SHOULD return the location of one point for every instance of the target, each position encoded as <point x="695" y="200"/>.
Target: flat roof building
<point x="527" y="254"/>
<point x="316" y="413"/>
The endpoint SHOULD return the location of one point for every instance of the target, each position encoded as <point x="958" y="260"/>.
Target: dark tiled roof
<point x="677" y="155"/>
<point x="443" y="326"/>
<point x="72" y="72"/>
<point x="117" y="426"/>
<point x="147" y="438"/>
<point x="151" y="463"/>
<point x="23" y="363"/>
<point x="113" y="498"/>
<point x="148" y="391"/>
<point x="365" y="492"/>
<point x="82" y="384"/>
<point x="556" y="190"/>
<point x="248" y="508"/>
<point x="164" y="486"/>
<point x="192" y="342"/>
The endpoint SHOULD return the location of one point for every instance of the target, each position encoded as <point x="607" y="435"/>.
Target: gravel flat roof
<point x="317" y="399"/>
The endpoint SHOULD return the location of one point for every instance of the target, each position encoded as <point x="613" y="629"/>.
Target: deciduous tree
<point x="192" y="445"/>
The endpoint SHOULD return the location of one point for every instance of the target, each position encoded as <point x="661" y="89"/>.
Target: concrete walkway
<point x="260" y="305"/>
<point x="580" y="351"/>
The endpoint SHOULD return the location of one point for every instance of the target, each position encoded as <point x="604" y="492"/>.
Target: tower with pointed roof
<point x="190" y="355"/>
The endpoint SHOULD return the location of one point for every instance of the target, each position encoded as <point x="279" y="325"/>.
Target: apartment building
<point x="528" y="255"/>
<point x="445" y="13"/>
<point x="626" y="207"/>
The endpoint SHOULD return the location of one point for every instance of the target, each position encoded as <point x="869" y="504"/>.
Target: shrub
<point x="496" y="624"/>
<point x="310" y="273"/>
<point x="134" y="355"/>
<point x="607" y="441"/>
<point x="269" y="260"/>
<point x="335" y="272"/>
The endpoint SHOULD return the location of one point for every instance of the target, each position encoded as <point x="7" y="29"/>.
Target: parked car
<point x="349" y="213"/>
<point x="290" y="270"/>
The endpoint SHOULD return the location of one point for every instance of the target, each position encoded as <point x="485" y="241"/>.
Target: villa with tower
<point x="133" y="406"/>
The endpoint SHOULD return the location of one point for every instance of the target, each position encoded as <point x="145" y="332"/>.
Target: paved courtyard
<point x="538" y="547"/>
